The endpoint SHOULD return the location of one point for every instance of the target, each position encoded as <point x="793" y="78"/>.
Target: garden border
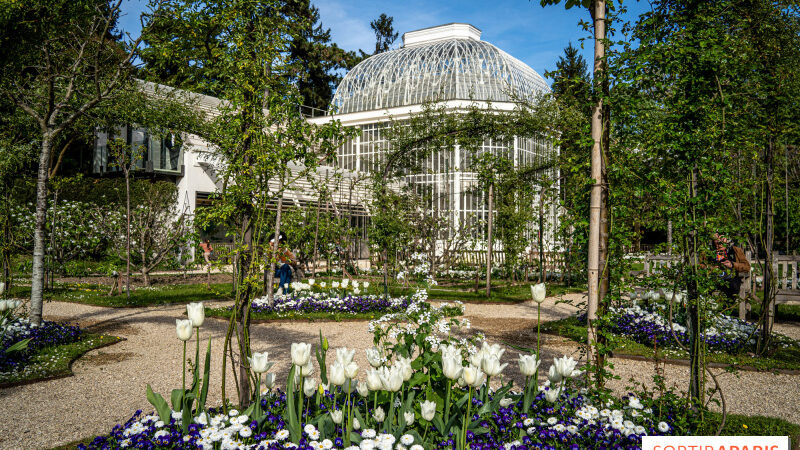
<point x="69" y="367"/>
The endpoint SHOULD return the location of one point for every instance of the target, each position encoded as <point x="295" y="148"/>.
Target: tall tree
<point x="384" y="33"/>
<point x="597" y="239"/>
<point x="62" y="63"/>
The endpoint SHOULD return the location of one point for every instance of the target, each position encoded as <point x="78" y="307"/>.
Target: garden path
<point x="109" y="383"/>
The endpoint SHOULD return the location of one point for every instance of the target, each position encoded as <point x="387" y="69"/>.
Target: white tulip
<point x="551" y="395"/>
<point x="538" y="292"/>
<point x="2" y="288"/>
<point x="506" y="402"/>
<point x="409" y="417"/>
<point x="303" y="371"/>
<point x="493" y="349"/>
<point x="344" y="356"/>
<point x="301" y="353"/>
<point x="391" y="379"/>
<point x="3" y="305"/>
<point x="337" y="416"/>
<point x="311" y="281"/>
<point x="450" y="351"/>
<point x="362" y="388"/>
<point x="374" y="357"/>
<point x="452" y="367"/>
<point x="565" y="366"/>
<point x="476" y="359"/>
<point x="528" y="364"/>
<point x="428" y="410"/>
<point x="554" y="375"/>
<point x="259" y="362"/>
<point x="269" y="380"/>
<point x="351" y="370"/>
<point x="492" y="366"/>
<point x="183" y="327"/>
<point x="309" y="386"/>
<point x="356" y="424"/>
<point x="344" y="283"/>
<point x="365" y="284"/>
<point x="374" y="380"/>
<point x="473" y="376"/>
<point x="336" y="374"/>
<point x="405" y="365"/>
<point x="196" y="313"/>
<point x="379" y="415"/>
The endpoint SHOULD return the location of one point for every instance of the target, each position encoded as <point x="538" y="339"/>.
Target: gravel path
<point x="109" y="383"/>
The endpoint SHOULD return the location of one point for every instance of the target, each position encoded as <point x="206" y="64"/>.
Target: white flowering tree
<point x="158" y="227"/>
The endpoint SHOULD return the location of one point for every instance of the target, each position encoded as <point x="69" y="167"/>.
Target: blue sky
<point x="523" y="28"/>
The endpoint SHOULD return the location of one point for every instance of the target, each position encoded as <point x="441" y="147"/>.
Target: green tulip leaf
<point x="160" y="404"/>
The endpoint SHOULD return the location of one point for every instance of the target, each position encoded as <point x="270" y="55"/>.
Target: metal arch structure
<point x="450" y="69"/>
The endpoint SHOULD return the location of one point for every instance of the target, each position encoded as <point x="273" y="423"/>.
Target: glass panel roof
<point x="451" y="69"/>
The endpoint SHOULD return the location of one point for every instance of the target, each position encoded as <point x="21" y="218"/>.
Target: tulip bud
<point x="184" y="329"/>
<point x="301" y="354"/>
<point x="428" y="410"/>
<point x="325" y="344"/>
<point x="528" y="365"/>
<point x="309" y="387"/>
<point x="336" y="374"/>
<point x="259" y="362"/>
<point x="269" y="380"/>
<point x="551" y="395"/>
<point x="553" y="375"/>
<point x="196" y="313"/>
<point x="374" y="380"/>
<point x="337" y="416"/>
<point x="379" y="415"/>
<point x="409" y="417"/>
<point x="351" y="370"/>
<point x="538" y="292"/>
<point x="374" y="357"/>
<point x="356" y="424"/>
<point x="362" y="388"/>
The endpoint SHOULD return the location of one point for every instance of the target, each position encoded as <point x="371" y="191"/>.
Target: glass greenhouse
<point x="447" y="63"/>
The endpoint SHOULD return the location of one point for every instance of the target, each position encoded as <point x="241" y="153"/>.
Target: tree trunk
<point x="768" y="303"/>
<point x="669" y="236"/>
<point x="595" y="207"/>
<point x="270" y="264"/>
<point x="542" y="275"/>
<point x="243" y="315"/>
<point x="316" y="237"/>
<point x="489" y="241"/>
<point x="146" y="276"/>
<point x="693" y="300"/>
<point x="37" y="273"/>
<point x="128" y="231"/>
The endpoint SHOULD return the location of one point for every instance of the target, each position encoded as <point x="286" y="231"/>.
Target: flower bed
<point x="427" y="386"/>
<point x="572" y="421"/>
<point x="304" y="302"/>
<point x="48" y="334"/>
<point x="649" y="326"/>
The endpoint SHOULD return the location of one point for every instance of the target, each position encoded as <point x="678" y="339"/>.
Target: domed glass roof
<point x="448" y="62"/>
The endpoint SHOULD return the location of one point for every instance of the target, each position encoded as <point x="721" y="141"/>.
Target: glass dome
<point x="448" y="62"/>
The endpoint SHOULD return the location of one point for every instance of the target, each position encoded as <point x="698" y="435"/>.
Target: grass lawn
<point x="739" y="425"/>
<point x="51" y="362"/>
<point x="780" y="358"/>
<point x="94" y="294"/>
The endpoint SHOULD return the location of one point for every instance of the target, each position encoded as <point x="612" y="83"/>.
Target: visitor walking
<point x="208" y="250"/>
<point x="284" y="258"/>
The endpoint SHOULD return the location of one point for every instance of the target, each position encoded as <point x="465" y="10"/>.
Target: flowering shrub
<point x="78" y="233"/>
